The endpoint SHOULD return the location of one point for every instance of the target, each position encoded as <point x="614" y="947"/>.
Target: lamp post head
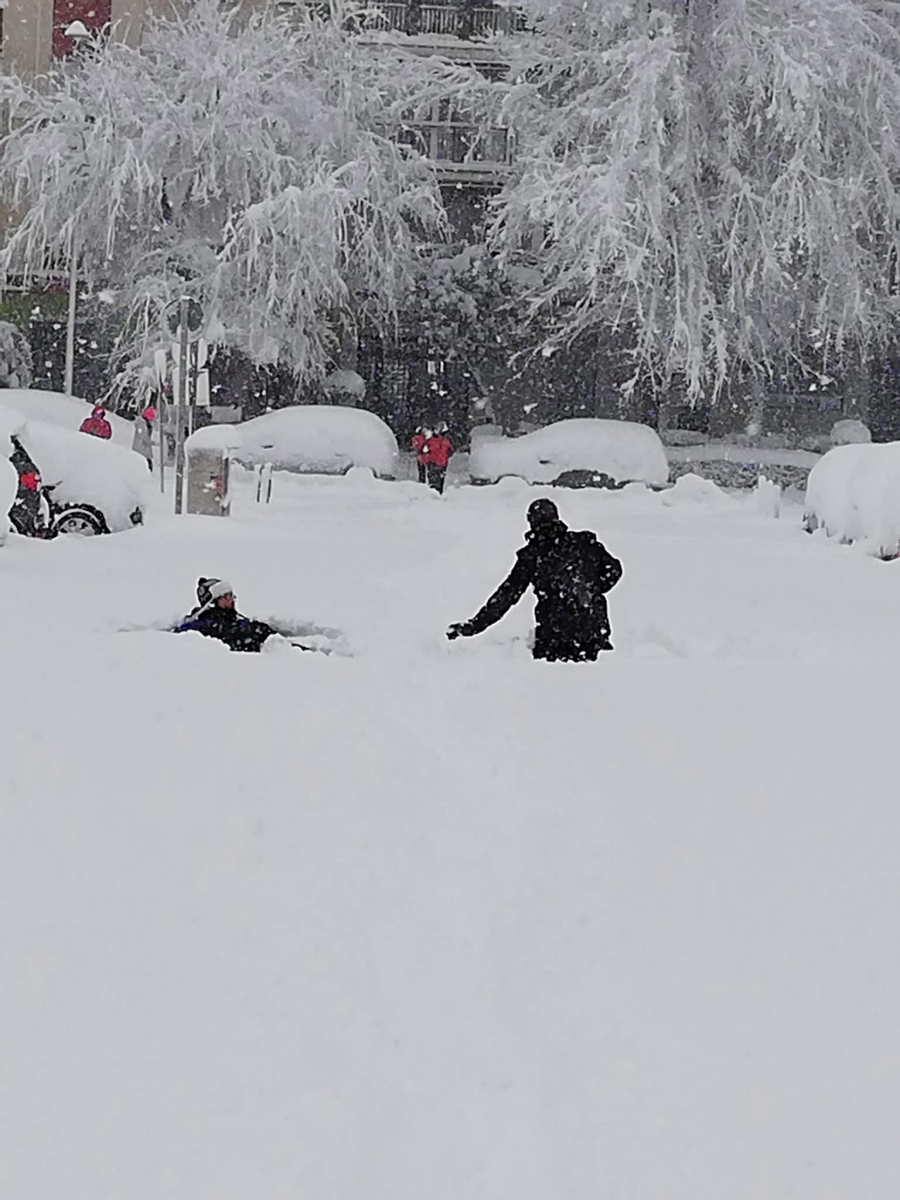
<point x="77" y="32"/>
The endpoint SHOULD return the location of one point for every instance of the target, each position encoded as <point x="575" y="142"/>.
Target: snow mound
<point x="320" y="439"/>
<point x="57" y="409"/>
<point x="9" y="485"/>
<point x="360" y="477"/>
<point x="854" y="494"/>
<point x="624" y="450"/>
<point x="850" y="433"/>
<point x="694" y="490"/>
<point x="88" y="470"/>
<point x="214" y="437"/>
<point x="11" y="423"/>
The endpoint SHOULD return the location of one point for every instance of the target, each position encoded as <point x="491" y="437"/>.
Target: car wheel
<point x="79" y="520"/>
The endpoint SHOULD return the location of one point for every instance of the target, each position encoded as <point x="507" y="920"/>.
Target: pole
<point x="70" y="324"/>
<point x="182" y="394"/>
<point x="161" y="427"/>
<point x="195" y="376"/>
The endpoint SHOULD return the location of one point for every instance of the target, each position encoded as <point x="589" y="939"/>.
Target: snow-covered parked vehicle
<point x="319" y="439"/>
<point x="70" y="483"/>
<point x="583" y="451"/>
<point x="67" y="412"/>
<point x="853" y="494"/>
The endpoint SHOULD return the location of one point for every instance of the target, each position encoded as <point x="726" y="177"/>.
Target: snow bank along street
<point x="435" y="920"/>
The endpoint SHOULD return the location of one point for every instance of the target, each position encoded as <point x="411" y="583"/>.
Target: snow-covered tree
<point x="253" y="162"/>
<point x="15" y="357"/>
<point x="717" y="177"/>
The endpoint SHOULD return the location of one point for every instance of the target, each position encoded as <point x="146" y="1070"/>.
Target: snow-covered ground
<point x="434" y="920"/>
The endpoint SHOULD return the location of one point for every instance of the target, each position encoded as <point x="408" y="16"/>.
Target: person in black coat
<point x="216" y="617"/>
<point x="571" y="572"/>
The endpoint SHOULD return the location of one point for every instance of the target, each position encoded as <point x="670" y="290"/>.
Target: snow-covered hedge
<point x="623" y="450"/>
<point x="85" y="469"/>
<point x="319" y="439"/>
<point x="854" y="494"/>
<point x="733" y="466"/>
<point x="58" y="409"/>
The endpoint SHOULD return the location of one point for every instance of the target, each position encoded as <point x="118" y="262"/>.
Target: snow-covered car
<point x="590" y="449"/>
<point x="67" y="412"/>
<point x="94" y="486"/>
<point x="853" y="494"/>
<point x="319" y="439"/>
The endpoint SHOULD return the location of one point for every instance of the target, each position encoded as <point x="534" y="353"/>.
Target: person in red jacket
<point x="419" y="438"/>
<point x="96" y="424"/>
<point x="437" y="451"/>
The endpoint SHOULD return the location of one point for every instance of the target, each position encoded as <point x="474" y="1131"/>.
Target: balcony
<point x="459" y="19"/>
<point x="462" y="151"/>
<point x="444" y="20"/>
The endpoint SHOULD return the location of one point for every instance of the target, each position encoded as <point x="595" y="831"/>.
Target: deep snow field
<point x="432" y="921"/>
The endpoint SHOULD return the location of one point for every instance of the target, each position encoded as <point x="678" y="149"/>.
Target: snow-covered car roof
<point x="85" y="470"/>
<point x="624" y="450"/>
<point x="319" y="439"/>
<point x="55" y="408"/>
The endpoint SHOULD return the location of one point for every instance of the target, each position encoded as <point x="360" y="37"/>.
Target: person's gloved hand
<point x="461" y="629"/>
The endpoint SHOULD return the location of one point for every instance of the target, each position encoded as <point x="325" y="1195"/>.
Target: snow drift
<point x="624" y="450"/>
<point x="9" y="485"/>
<point x="319" y="439"/>
<point x="854" y="494"/>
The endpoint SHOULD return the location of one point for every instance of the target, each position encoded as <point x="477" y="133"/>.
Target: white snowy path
<point x="436" y="922"/>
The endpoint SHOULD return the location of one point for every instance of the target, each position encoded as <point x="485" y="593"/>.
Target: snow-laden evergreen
<point x="257" y="162"/>
<point x="719" y="177"/>
<point x="15" y="357"/>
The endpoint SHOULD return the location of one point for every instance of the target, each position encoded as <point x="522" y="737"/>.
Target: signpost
<point x="184" y="320"/>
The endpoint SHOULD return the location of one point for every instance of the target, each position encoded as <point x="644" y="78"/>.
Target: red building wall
<point x="93" y="13"/>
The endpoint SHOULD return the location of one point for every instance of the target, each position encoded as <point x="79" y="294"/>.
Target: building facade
<point x="471" y="160"/>
<point x="34" y="30"/>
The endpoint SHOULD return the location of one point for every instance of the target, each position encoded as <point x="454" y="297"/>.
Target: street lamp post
<point x="69" y="385"/>
<point x="78" y="33"/>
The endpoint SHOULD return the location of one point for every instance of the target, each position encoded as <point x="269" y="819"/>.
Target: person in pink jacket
<point x="96" y="424"/>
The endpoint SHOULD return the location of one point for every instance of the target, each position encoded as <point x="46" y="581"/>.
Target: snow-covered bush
<point x="623" y="450"/>
<point x="854" y="495"/>
<point x="15" y="357"/>
<point x="67" y="412"/>
<point x="849" y="433"/>
<point x="260" y="160"/>
<point x="666" y="160"/>
<point x="319" y="439"/>
<point x="345" y="388"/>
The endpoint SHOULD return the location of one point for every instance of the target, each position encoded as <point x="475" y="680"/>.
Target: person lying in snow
<point x="215" y="616"/>
<point x="570" y="573"/>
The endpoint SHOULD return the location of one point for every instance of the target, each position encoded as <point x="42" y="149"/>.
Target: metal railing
<point x="442" y="19"/>
<point x="457" y="146"/>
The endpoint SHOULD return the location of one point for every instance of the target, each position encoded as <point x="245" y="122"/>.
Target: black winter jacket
<point x="570" y="573"/>
<point x="228" y="626"/>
